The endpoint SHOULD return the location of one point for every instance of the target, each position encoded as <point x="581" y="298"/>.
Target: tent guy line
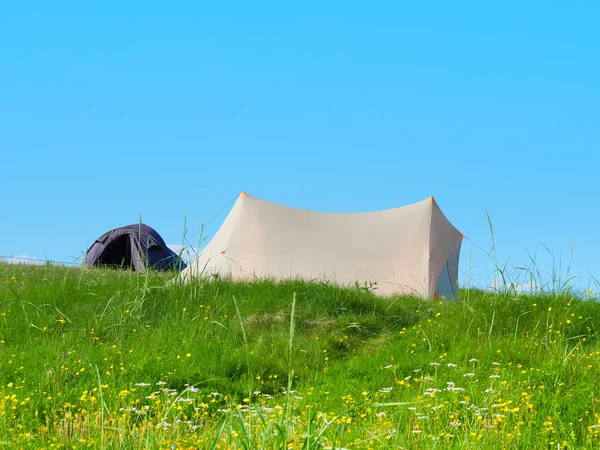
<point x="204" y="224"/>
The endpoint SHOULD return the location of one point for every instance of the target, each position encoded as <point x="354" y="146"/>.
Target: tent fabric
<point x="137" y="246"/>
<point x="408" y="250"/>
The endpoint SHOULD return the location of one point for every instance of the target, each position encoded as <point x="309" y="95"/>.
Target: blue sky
<point x="112" y="110"/>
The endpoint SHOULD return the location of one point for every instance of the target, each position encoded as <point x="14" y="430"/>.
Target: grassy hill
<point x="117" y="359"/>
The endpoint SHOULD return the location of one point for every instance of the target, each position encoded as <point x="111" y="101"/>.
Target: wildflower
<point x="434" y="363"/>
<point x="142" y="384"/>
<point x="472" y="360"/>
<point x="452" y="387"/>
<point x="470" y="374"/>
<point x="160" y="383"/>
<point x="385" y="390"/>
<point x="494" y="376"/>
<point x="451" y="365"/>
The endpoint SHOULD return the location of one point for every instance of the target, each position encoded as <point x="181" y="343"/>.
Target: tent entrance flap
<point x="117" y="253"/>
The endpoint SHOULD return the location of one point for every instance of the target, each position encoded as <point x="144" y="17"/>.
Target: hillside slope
<point x="117" y="359"/>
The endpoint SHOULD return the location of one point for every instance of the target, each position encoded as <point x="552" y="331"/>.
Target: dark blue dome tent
<point x="135" y="246"/>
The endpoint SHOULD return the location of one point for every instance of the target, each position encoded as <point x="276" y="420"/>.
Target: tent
<point x="409" y="250"/>
<point x="137" y="246"/>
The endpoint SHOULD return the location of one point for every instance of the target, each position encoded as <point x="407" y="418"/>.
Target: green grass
<point x="244" y="365"/>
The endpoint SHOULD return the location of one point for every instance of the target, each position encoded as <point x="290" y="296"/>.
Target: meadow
<point x="93" y="358"/>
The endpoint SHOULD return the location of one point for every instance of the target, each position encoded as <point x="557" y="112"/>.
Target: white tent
<point x="409" y="250"/>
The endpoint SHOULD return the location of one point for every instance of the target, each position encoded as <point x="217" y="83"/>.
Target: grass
<point x="118" y="359"/>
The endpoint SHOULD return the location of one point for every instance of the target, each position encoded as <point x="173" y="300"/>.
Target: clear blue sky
<point x="109" y="110"/>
